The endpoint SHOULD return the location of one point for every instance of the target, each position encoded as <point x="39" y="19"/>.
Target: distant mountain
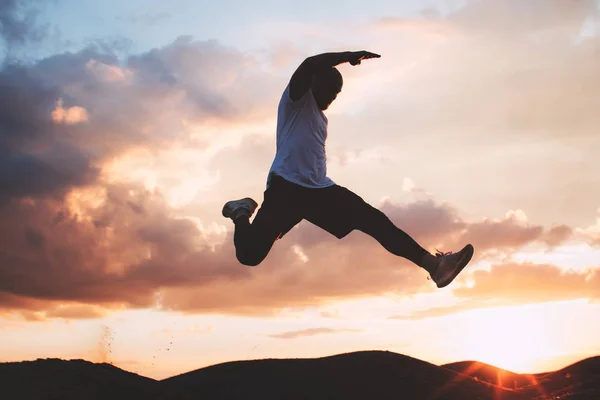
<point x="377" y="375"/>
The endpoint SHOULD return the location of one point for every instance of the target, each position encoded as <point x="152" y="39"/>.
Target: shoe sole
<point x="469" y="250"/>
<point x="228" y="209"/>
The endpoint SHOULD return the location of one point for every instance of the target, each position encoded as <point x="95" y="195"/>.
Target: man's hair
<point x="329" y="74"/>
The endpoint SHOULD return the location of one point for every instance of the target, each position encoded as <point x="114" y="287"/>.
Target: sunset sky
<point x="125" y="127"/>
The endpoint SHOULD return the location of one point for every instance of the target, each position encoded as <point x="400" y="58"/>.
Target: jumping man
<point x="298" y="187"/>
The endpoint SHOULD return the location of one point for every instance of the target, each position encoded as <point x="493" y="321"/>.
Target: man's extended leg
<point x="376" y="224"/>
<point x="443" y="267"/>
<point x="339" y="211"/>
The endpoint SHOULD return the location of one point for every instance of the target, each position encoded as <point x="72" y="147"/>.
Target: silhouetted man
<point x="298" y="186"/>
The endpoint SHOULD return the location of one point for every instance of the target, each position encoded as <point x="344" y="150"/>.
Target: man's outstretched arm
<point x="302" y="77"/>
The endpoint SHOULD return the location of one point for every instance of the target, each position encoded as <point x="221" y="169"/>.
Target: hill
<point x="75" y="379"/>
<point x="578" y="381"/>
<point x="360" y="375"/>
<point x="489" y="373"/>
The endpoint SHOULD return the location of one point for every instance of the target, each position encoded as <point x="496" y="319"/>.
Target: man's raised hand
<point x="357" y="56"/>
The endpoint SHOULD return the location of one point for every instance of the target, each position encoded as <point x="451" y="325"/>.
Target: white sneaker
<point x="450" y="265"/>
<point x="236" y="208"/>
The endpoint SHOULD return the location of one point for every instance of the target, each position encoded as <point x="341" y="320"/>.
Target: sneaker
<point x="450" y="265"/>
<point x="236" y="208"/>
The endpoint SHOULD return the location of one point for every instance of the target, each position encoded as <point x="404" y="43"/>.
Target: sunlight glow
<point x="506" y="338"/>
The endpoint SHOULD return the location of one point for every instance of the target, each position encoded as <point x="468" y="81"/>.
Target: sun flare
<point x="511" y="338"/>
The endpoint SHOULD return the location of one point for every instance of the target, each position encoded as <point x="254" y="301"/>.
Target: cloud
<point x="531" y="283"/>
<point x="558" y="234"/>
<point x="351" y="268"/>
<point x="127" y="247"/>
<point x="499" y="111"/>
<point x="513" y="284"/>
<point x="497" y="75"/>
<point x="35" y="157"/>
<point x="76" y="311"/>
<point x="51" y="170"/>
<point x="439" y="224"/>
<point x="36" y="310"/>
<point x="408" y="185"/>
<point x="72" y="115"/>
<point x="330" y="314"/>
<point x="65" y="116"/>
<point x="75" y="236"/>
<point x="591" y="234"/>
<point x="310" y="332"/>
<point x="498" y="17"/>
<point x="119" y="252"/>
<point x="17" y="22"/>
<point x="434" y="312"/>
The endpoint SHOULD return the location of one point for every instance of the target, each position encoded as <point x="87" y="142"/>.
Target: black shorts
<point x="335" y="209"/>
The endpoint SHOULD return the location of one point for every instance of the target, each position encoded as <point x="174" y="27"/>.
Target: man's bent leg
<point x="276" y="216"/>
<point x="253" y="241"/>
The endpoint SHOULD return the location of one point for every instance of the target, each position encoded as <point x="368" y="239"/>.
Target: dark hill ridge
<point x="359" y="375"/>
<point x="489" y="373"/>
<point x="75" y="379"/>
<point x="580" y="380"/>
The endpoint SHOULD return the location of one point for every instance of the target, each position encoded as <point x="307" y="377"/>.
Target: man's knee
<point x="372" y="220"/>
<point x="250" y="258"/>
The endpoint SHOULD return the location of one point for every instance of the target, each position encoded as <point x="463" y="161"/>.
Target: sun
<point x="511" y="338"/>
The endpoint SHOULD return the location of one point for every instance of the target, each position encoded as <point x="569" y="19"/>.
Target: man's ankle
<point x="242" y="218"/>
<point x="429" y="263"/>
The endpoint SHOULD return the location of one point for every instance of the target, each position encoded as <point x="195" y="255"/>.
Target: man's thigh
<point x="337" y="210"/>
<point x="279" y="211"/>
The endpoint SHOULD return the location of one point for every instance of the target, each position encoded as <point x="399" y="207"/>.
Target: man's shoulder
<point x="286" y="98"/>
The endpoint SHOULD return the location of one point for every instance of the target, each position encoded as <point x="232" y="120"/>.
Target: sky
<point x="125" y="127"/>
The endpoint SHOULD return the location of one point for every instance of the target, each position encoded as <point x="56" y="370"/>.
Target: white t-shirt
<point x="301" y="134"/>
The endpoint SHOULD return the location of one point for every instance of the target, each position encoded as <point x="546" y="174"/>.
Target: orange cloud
<point x="310" y="332"/>
<point x="76" y="311"/>
<point x="436" y="312"/>
<point x="130" y="248"/>
<point x="439" y="225"/>
<point x="531" y="283"/>
<point x="535" y="15"/>
<point x="70" y="116"/>
<point x="516" y="284"/>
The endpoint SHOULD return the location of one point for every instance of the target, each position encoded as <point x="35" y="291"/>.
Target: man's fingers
<point x="367" y="55"/>
<point x="363" y="55"/>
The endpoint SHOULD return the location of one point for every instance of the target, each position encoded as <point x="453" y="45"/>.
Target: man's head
<point x="327" y="84"/>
